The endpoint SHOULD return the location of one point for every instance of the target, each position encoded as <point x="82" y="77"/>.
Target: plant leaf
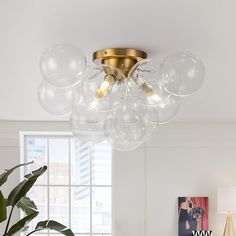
<point x="3" y="208"/>
<point x="27" y="205"/>
<point x="35" y="172"/>
<point x="4" y="176"/>
<point x="54" y="225"/>
<point x="21" y="189"/>
<point x="21" y="224"/>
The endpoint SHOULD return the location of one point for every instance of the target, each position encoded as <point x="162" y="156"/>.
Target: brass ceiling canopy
<point x="121" y="58"/>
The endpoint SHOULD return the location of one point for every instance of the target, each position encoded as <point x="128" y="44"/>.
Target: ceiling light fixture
<point x="121" y="97"/>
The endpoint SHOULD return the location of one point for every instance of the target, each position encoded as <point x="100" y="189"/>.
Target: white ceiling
<point x="206" y="27"/>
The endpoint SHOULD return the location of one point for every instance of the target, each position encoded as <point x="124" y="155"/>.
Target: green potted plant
<point x="17" y="198"/>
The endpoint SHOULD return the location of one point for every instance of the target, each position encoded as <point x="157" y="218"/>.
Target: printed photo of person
<point x="192" y="215"/>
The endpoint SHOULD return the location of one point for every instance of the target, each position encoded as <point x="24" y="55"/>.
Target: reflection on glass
<point x="101" y="164"/>
<point x="37" y="152"/>
<point x="101" y="198"/>
<point x="80" y="209"/>
<point x="87" y="234"/>
<point x="39" y="196"/>
<point x="43" y="233"/>
<point x="86" y="160"/>
<point x="101" y="235"/>
<point x="59" y="161"/>
<point x="80" y="163"/>
<point x="59" y="204"/>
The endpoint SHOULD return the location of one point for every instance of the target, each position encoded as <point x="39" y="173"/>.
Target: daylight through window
<point x="76" y="189"/>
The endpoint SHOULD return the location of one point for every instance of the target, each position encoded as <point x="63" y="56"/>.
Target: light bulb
<point x="63" y="65"/>
<point x="135" y="122"/>
<point x="103" y="88"/>
<point x="168" y="109"/>
<point x="87" y="125"/>
<point x="182" y="73"/>
<point x="57" y="101"/>
<point x="147" y="82"/>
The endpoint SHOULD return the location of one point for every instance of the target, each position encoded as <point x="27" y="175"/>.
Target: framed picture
<point x="192" y="215"/>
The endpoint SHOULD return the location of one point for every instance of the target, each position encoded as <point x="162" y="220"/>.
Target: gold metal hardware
<point x="121" y="58"/>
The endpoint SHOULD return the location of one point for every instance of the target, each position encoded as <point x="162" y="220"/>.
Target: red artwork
<point x="192" y="215"/>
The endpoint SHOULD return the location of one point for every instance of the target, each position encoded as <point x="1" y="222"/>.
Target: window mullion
<point x="69" y="183"/>
<point x="91" y="197"/>
<point x="48" y="176"/>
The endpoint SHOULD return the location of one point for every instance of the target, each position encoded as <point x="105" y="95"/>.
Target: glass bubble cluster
<point x="103" y="103"/>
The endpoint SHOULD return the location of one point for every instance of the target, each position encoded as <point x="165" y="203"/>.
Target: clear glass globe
<point x="63" y="65"/>
<point x="145" y="82"/>
<point x="114" y="138"/>
<point x="135" y="122"/>
<point x="150" y="115"/>
<point x="103" y="88"/>
<point x="57" y="101"/>
<point x="87" y="125"/>
<point x="168" y="109"/>
<point x="182" y="73"/>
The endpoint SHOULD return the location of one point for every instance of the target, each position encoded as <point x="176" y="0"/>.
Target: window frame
<point x="65" y="134"/>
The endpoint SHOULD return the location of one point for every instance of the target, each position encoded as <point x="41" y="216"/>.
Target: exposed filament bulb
<point x="150" y="92"/>
<point x="147" y="89"/>
<point x="103" y="90"/>
<point x="105" y="87"/>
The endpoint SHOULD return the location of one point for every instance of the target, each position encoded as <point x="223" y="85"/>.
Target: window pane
<point x="101" y="164"/>
<point x="80" y="209"/>
<point x="59" y="204"/>
<point x="43" y="233"/>
<point x="80" y="163"/>
<point x="37" y="152"/>
<point x="87" y="234"/>
<point x="101" y="198"/>
<point x="101" y="234"/>
<point x="59" y="161"/>
<point x="39" y="196"/>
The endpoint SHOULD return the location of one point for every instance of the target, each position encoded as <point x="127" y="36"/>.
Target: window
<point x="76" y="189"/>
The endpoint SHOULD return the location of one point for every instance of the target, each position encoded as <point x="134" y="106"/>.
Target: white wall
<point x="181" y="159"/>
